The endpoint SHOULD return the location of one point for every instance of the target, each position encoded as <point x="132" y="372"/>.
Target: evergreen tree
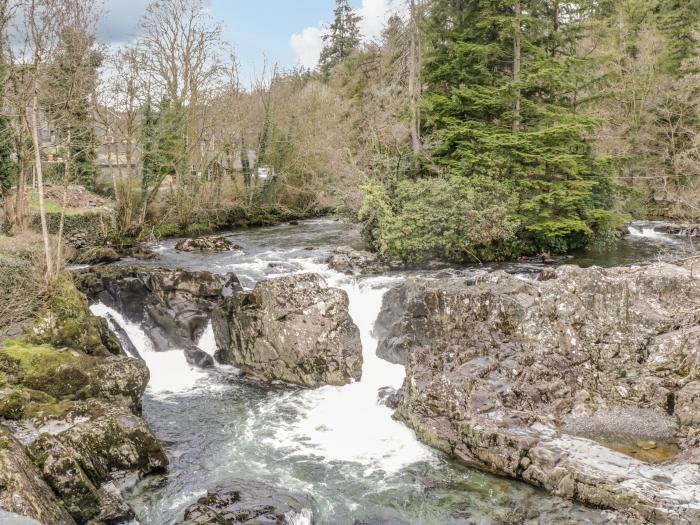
<point x="679" y="21"/>
<point x="150" y="164"/>
<point x="498" y="105"/>
<point x="342" y="37"/>
<point x="8" y="167"/>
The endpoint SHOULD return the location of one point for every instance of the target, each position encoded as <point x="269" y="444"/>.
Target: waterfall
<point x="170" y="372"/>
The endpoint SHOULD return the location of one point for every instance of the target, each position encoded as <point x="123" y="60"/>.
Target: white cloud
<point x="307" y="45"/>
<point x="374" y="14"/>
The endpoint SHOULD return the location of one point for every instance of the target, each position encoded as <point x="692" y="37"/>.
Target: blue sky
<point x="287" y="32"/>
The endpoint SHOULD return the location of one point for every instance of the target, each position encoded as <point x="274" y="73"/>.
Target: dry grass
<point x="23" y="289"/>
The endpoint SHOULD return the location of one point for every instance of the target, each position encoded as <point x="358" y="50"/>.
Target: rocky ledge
<point x="294" y="329"/>
<point x="570" y="383"/>
<point x="173" y="305"/>
<point x="70" y="425"/>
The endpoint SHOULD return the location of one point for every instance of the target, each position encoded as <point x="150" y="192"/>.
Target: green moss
<point x="96" y="255"/>
<point x="58" y="373"/>
<point x="50" y="410"/>
<point x="12" y="403"/>
<point x="66" y="321"/>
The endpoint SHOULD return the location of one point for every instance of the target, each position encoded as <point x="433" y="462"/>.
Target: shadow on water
<point x="335" y="443"/>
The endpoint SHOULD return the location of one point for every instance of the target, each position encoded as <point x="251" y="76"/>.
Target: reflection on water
<point x="336" y="444"/>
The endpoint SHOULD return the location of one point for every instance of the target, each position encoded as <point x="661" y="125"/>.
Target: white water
<point x="170" y="372"/>
<point x="336" y="423"/>
<point x="346" y="423"/>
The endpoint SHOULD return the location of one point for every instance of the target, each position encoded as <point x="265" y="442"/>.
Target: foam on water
<point x="347" y="423"/>
<point x="170" y="372"/>
<point x="207" y="342"/>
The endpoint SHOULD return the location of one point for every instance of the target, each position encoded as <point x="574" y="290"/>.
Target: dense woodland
<point x="474" y="130"/>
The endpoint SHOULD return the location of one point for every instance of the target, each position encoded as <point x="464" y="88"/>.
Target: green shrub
<point x="455" y="218"/>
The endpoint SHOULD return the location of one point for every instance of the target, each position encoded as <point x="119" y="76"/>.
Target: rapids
<point x="335" y="444"/>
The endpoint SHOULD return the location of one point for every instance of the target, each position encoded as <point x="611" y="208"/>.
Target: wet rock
<point x="248" y="503"/>
<point x="121" y="380"/>
<point x="79" y="462"/>
<point x="124" y="339"/>
<point x="212" y="243"/>
<point x="294" y="328"/>
<point x="356" y="262"/>
<point x="22" y="489"/>
<point x="683" y="230"/>
<point x="499" y="368"/>
<point x="388" y="396"/>
<point x="402" y="306"/>
<point x="198" y="357"/>
<point x="138" y="252"/>
<point x="172" y="305"/>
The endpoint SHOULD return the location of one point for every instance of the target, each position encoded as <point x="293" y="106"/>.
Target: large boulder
<point x="212" y="243"/>
<point x="294" y="328"/>
<point x="563" y="382"/>
<point x="350" y="261"/>
<point x="173" y="305"/>
<point x="36" y="379"/>
<point x="66" y="321"/>
<point x="248" y="503"/>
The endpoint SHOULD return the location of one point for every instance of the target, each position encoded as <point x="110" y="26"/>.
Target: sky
<point x="286" y="32"/>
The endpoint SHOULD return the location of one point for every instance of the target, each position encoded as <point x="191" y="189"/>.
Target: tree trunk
<point x="516" y="65"/>
<point x="413" y="80"/>
<point x="66" y="179"/>
<point x="40" y="182"/>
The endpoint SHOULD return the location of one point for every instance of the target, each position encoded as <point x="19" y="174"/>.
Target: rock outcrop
<point x="543" y="381"/>
<point x="96" y="255"/>
<point x="69" y="418"/>
<point x="22" y="489"/>
<point x="212" y="243"/>
<point x="173" y="306"/>
<point x="248" y="503"/>
<point x="402" y="306"/>
<point x="294" y="329"/>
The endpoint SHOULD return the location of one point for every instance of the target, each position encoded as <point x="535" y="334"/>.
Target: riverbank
<point x="334" y="449"/>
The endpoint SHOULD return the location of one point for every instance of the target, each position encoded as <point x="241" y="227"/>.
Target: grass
<point x="50" y="206"/>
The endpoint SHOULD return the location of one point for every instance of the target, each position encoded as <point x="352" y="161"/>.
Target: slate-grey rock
<point x="497" y="369"/>
<point x="173" y="305"/>
<point x="293" y="328"/>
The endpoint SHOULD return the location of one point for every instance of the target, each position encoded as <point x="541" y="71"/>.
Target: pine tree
<point x="150" y="164"/>
<point x="498" y="105"/>
<point x="342" y="37"/>
<point x="679" y="21"/>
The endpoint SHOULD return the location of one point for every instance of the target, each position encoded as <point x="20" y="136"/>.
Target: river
<point x="335" y="444"/>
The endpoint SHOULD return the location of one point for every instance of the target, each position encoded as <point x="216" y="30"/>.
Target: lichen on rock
<point x="294" y="328"/>
<point x="535" y="379"/>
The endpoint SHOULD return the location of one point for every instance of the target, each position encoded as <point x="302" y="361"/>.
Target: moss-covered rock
<point x="41" y="378"/>
<point x="66" y="321"/>
<point x="22" y="489"/>
<point x="97" y="255"/>
<point x="12" y="402"/>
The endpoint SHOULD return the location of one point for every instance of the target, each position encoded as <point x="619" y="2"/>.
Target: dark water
<point x="335" y="444"/>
